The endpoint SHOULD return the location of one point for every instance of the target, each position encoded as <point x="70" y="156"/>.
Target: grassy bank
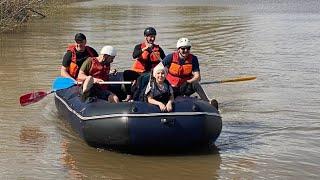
<point x="15" y="13"/>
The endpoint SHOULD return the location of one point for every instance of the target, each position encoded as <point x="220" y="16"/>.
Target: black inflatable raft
<point x="193" y="122"/>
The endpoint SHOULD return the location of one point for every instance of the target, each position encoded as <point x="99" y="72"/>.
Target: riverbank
<point x="15" y="14"/>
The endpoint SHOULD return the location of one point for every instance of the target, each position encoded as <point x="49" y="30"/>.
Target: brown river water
<point x="271" y="126"/>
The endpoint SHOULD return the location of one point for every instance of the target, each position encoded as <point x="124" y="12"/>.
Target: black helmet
<point x="79" y="37"/>
<point x="150" y="31"/>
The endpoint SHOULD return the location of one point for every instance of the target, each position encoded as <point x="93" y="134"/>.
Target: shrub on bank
<point x="14" y="13"/>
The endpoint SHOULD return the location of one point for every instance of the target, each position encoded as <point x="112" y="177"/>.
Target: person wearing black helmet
<point x="146" y="55"/>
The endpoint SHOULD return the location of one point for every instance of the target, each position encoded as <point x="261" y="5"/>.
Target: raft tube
<point x="139" y="125"/>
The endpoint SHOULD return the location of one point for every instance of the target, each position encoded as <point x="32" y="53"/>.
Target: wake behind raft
<point x="140" y="125"/>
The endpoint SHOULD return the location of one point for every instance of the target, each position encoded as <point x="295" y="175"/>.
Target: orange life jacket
<point x="99" y="70"/>
<point x="140" y="64"/>
<point x="178" y="74"/>
<point x="73" y="69"/>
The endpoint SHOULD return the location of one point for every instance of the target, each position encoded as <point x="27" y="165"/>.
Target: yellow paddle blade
<point x="244" y="78"/>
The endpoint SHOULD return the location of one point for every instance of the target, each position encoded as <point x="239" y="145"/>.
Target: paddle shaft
<point x="34" y="97"/>
<point x="60" y="83"/>
<point x="111" y="82"/>
<point x="230" y="80"/>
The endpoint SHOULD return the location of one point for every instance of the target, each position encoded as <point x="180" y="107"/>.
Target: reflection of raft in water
<point x="193" y="122"/>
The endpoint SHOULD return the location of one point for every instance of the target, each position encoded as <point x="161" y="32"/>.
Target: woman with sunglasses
<point x="184" y="72"/>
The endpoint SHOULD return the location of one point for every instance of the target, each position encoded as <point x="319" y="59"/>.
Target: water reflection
<point x="33" y="138"/>
<point x="82" y="161"/>
<point x="69" y="162"/>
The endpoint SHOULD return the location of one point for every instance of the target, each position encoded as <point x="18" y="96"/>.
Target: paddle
<point x="58" y="84"/>
<point x="237" y="79"/>
<point x="63" y="83"/>
<point x="33" y="97"/>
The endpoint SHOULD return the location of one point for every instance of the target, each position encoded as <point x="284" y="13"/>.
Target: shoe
<point x="113" y="72"/>
<point x="87" y="84"/>
<point x="128" y="98"/>
<point x="214" y="103"/>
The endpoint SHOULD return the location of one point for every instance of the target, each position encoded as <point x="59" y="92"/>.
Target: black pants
<point x="129" y="75"/>
<point x="139" y="88"/>
<point x="188" y="89"/>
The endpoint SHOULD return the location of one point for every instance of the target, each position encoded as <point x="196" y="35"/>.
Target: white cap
<point x="111" y="51"/>
<point x="159" y="67"/>
<point x="183" y="42"/>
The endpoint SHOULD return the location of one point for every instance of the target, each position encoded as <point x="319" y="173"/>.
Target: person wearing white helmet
<point x="95" y="70"/>
<point x="184" y="71"/>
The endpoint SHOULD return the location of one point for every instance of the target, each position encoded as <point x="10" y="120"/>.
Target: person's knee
<point x="129" y="75"/>
<point x="113" y="98"/>
<point x="187" y="89"/>
<point x="195" y="85"/>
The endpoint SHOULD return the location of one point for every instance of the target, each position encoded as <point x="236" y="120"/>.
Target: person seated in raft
<point x="158" y="91"/>
<point x="184" y="72"/>
<point x="146" y="56"/>
<point x="76" y="54"/>
<point x="95" y="70"/>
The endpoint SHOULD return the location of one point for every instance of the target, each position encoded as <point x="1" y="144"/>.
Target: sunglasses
<point x="185" y="48"/>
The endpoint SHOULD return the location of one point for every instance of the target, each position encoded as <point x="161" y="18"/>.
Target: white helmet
<point x="111" y="51"/>
<point x="183" y="42"/>
<point x="160" y="67"/>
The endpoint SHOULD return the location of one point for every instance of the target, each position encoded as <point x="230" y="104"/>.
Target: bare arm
<point x="196" y="77"/>
<point x="155" y="102"/>
<point x="82" y="76"/>
<point x="84" y="70"/>
<point x="64" y="73"/>
<point x="169" y="103"/>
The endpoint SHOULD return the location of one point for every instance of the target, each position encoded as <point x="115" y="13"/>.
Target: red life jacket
<point x="73" y="69"/>
<point x="178" y="74"/>
<point x="99" y="70"/>
<point x="141" y="62"/>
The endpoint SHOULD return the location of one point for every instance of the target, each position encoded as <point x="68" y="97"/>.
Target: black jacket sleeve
<point x="162" y="54"/>
<point x="94" y="52"/>
<point x="66" y="61"/>
<point x="137" y="51"/>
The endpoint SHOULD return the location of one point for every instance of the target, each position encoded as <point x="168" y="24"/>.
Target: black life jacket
<point x="160" y="95"/>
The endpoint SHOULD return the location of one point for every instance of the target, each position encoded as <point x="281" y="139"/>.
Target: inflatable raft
<point x="139" y="125"/>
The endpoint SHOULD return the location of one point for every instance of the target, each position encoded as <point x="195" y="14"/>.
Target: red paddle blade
<point x="31" y="98"/>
